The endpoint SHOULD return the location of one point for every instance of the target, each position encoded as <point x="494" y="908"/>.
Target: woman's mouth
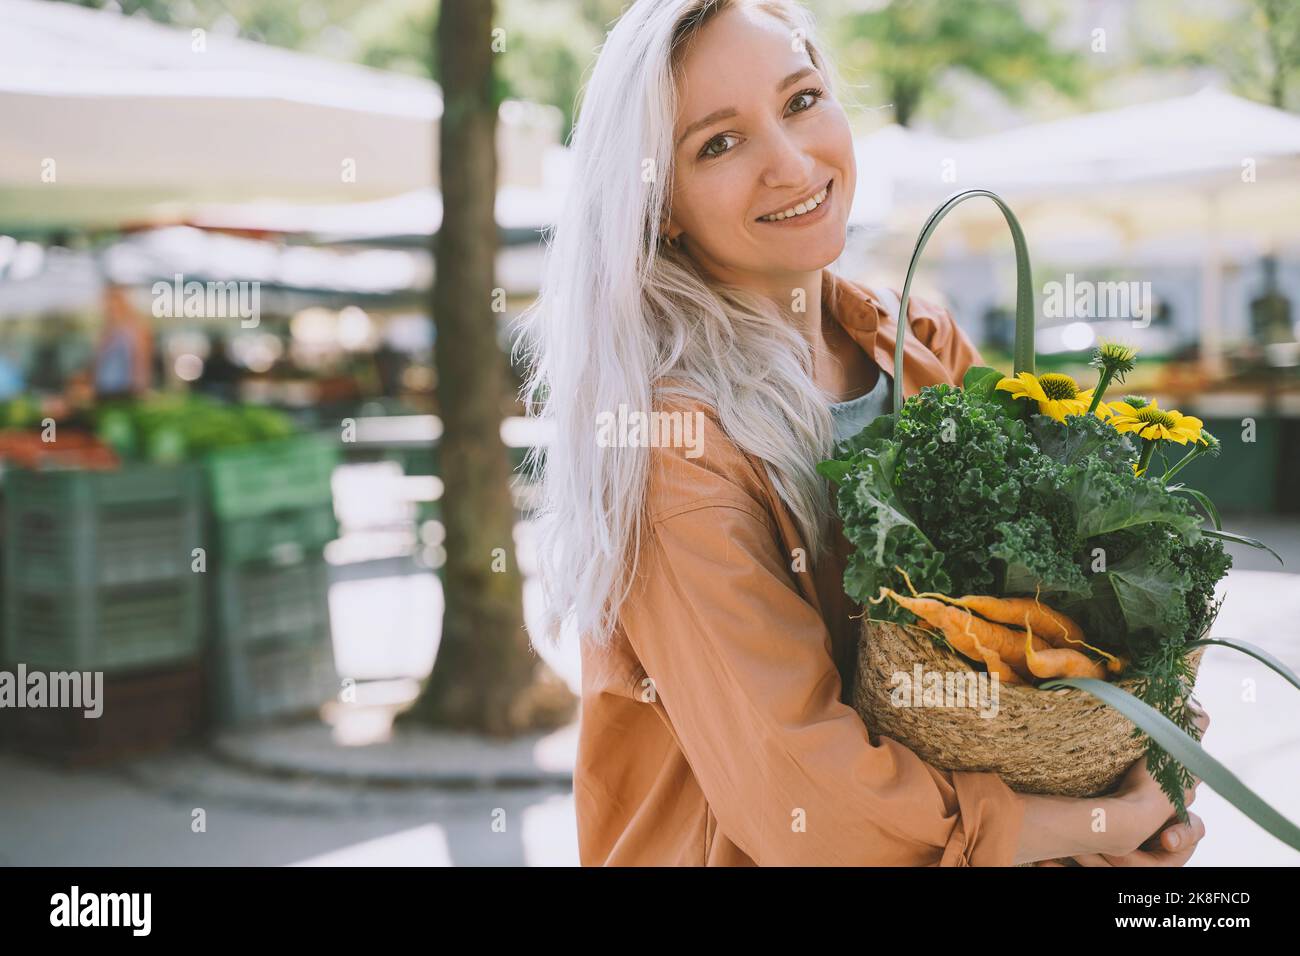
<point x="805" y="212"/>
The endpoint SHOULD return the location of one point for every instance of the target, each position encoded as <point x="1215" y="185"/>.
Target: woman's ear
<point x="670" y="232"/>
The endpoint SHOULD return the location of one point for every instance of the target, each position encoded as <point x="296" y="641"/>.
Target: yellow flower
<point x="1153" y="422"/>
<point x="1057" y="395"/>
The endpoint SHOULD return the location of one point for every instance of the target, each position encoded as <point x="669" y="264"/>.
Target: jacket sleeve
<point x="741" y="665"/>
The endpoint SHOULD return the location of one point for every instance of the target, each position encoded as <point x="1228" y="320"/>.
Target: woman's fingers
<point x="1174" y="847"/>
<point x="1180" y="836"/>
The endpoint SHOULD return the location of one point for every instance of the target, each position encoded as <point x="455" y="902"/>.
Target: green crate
<point x="114" y="630"/>
<point x="281" y="537"/>
<point x="98" y="568"/>
<point x="266" y="601"/>
<point x="1244" y="478"/>
<point x="251" y="480"/>
<point x="67" y="529"/>
<point x="267" y="680"/>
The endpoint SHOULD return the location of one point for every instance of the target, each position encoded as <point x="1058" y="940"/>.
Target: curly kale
<point x="961" y="457"/>
<point x="1081" y="437"/>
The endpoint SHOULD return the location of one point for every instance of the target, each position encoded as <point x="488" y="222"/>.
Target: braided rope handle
<point x="1023" y="354"/>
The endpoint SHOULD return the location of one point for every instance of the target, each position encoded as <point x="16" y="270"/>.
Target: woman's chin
<point x="808" y="253"/>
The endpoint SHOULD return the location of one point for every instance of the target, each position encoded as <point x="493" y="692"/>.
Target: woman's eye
<point x="808" y="97"/>
<point x="710" y="149"/>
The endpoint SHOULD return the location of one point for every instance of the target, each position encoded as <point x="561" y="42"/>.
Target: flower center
<point x="1154" y="416"/>
<point x="1057" y="386"/>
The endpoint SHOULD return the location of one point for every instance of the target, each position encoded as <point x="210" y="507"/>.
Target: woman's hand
<point x="1141" y="827"/>
<point x="1173" y="846"/>
<point x="1174" y="842"/>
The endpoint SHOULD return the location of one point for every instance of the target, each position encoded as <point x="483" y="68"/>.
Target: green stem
<point x="1148" y="446"/>
<point x="1103" y="382"/>
<point x="1186" y="460"/>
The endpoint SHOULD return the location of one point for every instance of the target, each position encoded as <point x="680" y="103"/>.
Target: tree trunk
<point x="906" y="98"/>
<point x="486" y="677"/>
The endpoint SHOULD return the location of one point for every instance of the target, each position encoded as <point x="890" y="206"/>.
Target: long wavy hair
<point x="621" y="312"/>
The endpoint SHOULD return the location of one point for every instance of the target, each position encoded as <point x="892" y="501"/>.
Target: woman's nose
<point x="788" y="165"/>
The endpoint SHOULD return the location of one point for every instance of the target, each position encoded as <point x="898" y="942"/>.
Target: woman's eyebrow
<point x="730" y="111"/>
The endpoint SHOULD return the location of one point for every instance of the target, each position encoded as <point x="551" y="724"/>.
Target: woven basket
<point x="1063" y="742"/>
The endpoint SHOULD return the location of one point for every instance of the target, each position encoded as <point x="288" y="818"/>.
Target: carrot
<point x="1059" y="662"/>
<point x="996" y="665"/>
<point x="1011" y="610"/>
<point x="1037" y="617"/>
<point x="1061" y="630"/>
<point x="968" y="634"/>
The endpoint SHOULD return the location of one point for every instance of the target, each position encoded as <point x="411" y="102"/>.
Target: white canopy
<point x="1173" y="142"/>
<point x="110" y="119"/>
<point x="1142" y="170"/>
<point x="1204" y="171"/>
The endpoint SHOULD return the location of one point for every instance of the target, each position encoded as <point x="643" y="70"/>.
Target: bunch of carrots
<point x="988" y="629"/>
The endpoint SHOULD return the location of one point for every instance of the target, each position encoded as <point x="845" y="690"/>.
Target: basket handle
<point x="1023" y="355"/>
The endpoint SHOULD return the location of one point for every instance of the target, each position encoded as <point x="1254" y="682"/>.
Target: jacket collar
<point x="853" y="304"/>
<point x="869" y="321"/>
<point x="861" y="313"/>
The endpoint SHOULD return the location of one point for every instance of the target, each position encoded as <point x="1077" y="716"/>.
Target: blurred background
<point x="262" y="462"/>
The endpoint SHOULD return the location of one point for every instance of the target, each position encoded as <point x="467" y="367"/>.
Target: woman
<point x="704" y="572"/>
<point x="124" y="357"/>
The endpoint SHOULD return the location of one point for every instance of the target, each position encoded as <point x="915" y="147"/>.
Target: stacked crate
<point x="272" y="515"/>
<point x="99" y="578"/>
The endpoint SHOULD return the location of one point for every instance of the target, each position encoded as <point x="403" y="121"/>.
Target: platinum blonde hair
<point x="620" y="310"/>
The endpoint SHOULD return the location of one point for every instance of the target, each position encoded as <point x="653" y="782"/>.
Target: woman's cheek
<point x="711" y="202"/>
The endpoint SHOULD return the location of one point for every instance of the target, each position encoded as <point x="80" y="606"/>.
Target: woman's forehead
<point x="741" y="53"/>
<point x="742" y="44"/>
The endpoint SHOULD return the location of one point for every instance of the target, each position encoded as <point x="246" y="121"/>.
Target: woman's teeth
<point x="806" y="206"/>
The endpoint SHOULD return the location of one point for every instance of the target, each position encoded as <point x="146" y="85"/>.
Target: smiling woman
<point x="688" y="273"/>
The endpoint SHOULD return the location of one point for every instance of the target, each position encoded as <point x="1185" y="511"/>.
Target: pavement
<point x="342" y="789"/>
<point x="410" y="758"/>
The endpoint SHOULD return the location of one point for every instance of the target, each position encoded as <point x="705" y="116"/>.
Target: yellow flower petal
<point x="1012" y="385"/>
<point x="1032" y="387"/>
<point x="1053" y="410"/>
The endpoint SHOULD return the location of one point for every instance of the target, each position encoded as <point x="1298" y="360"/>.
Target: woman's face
<point x="756" y="134"/>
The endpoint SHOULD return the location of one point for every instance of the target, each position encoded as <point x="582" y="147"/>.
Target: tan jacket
<point x="715" y="731"/>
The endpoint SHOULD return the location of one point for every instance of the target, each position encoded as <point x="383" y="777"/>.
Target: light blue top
<point x="856" y="414"/>
<point x="113" y="371"/>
